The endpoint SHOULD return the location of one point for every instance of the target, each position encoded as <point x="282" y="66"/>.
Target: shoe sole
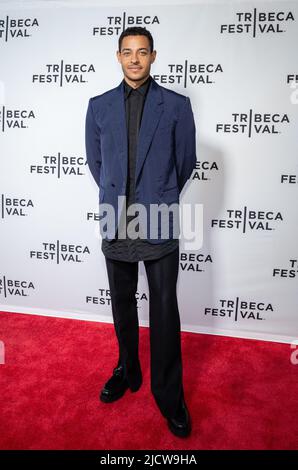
<point x="107" y="399"/>
<point x="179" y="433"/>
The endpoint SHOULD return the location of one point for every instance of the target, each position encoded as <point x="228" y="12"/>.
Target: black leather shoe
<point x="180" y="424"/>
<point x="115" y="387"/>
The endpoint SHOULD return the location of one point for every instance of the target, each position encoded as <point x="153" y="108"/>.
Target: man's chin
<point x="136" y="77"/>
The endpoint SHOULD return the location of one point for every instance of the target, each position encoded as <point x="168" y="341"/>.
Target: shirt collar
<point x="141" y="89"/>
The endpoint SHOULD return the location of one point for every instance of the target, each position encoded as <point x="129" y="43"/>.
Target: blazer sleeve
<point x="185" y="144"/>
<point x="92" y="143"/>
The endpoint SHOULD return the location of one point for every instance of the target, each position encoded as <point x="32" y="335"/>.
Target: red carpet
<point x="242" y="394"/>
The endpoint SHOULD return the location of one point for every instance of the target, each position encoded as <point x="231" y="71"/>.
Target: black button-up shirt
<point x="139" y="249"/>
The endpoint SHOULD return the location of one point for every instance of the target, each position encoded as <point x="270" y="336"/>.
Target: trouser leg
<point x="165" y="339"/>
<point x="123" y="281"/>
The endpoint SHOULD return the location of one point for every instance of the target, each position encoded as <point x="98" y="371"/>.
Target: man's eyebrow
<point x="140" y="49"/>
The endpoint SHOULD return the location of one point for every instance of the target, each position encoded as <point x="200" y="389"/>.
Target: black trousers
<point x="164" y="321"/>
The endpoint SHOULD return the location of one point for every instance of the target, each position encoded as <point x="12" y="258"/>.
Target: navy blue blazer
<point x="166" y="150"/>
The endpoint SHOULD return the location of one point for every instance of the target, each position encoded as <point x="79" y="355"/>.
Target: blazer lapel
<point x="153" y="109"/>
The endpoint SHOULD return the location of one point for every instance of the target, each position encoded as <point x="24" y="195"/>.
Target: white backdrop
<point x="238" y="63"/>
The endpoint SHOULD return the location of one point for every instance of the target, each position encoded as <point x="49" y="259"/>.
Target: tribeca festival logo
<point x="104" y="298"/>
<point x="13" y="28"/>
<point x="288" y="272"/>
<point x="256" y="23"/>
<point x="248" y="220"/>
<point x="292" y="82"/>
<point x="60" y="252"/>
<point x="287" y="178"/>
<point x="63" y="73"/>
<point x="15" y="287"/>
<point x="116" y="24"/>
<point x="15" y="207"/>
<point x="238" y="309"/>
<point x="195" y="262"/>
<point x="60" y="165"/>
<point x="15" y="118"/>
<point x="188" y="73"/>
<point x="252" y="123"/>
<point x="205" y="170"/>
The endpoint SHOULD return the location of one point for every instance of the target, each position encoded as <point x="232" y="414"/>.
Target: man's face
<point x="135" y="57"/>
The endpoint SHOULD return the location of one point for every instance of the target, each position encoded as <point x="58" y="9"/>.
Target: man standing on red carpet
<point x="141" y="145"/>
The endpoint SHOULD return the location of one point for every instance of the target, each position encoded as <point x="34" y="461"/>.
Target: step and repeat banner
<point x="237" y="61"/>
